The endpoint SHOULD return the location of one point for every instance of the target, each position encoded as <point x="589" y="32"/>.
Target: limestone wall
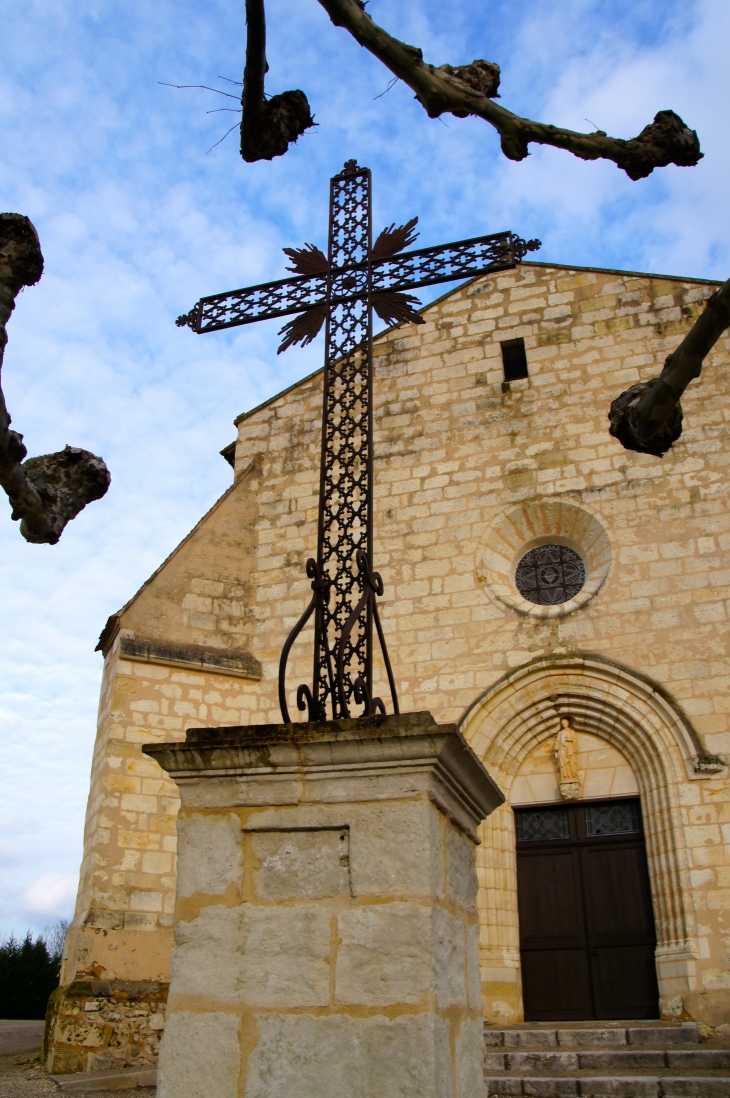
<point x="175" y="656"/>
<point x="469" y="470"/>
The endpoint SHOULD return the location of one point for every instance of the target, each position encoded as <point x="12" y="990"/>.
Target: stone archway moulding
<point x="602" y="698"/>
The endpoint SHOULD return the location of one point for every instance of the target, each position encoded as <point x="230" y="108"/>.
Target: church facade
<point x="564" y="599"/>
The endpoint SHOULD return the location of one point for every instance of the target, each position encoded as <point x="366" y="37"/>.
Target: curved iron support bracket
<point x="320" y="595"/>
<point x="372" y="587"/>
<point x="306" y="701"/>
<point x="362" y="696"/>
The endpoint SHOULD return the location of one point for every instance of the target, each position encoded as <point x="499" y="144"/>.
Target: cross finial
<point x="351" y="166"/>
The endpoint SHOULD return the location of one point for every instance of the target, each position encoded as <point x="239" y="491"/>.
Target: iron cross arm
<point x="405" y="271"/>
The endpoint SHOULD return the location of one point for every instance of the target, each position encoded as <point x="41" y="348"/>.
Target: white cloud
<point x="51" y="894"/>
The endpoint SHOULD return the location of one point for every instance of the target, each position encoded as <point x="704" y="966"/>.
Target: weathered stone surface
<point x="521" y="1038"/>
<point x="395" y="849"/>
<point x="258" y="956"/>
<point x="449" y="951"/>
<point x="600" y="1036"/>
<point x="96" y="1081"/>
<point x="199" y="1056"/>
<point x="309" y="864"/>
<point x="104" y="1025"/>
<point x="214" y="859"/>
<point x="473" y="971"/>
<point x="469" y="1053"/>
<point x="683" y="1035"/>
<point x="386" y="954"/>
<point x="307" y="1057"/>
<point x="408" y="754"/>
<point x="551" y="1087"/>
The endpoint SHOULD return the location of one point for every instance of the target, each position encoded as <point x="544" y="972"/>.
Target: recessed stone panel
<point x="396" y="849"/>
<point x="307" y="864"/>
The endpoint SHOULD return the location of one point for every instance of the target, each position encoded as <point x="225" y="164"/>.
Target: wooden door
<point x="587" y="933"/>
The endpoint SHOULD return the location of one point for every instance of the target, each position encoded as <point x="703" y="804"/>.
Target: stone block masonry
<point x="326" y="923"/>
<point x="99" y="1025"/>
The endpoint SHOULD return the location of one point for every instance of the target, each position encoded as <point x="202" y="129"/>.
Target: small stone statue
<point x="566" y="750"/>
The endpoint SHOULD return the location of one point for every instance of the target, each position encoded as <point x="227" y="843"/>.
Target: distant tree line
<point x="29" y="972"/>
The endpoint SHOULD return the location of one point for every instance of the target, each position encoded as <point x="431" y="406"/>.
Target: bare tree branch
<point x="470" y="89"/>
<point x="648" y="416"/>
<point x="268" y="127"/>
<point x="45" y="492"/>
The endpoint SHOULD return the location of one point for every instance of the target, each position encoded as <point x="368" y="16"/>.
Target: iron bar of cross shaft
<point x="341" y="290"/>
<point x="343" y="634"/>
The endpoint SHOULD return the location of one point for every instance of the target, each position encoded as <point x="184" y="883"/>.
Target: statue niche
<point x="565" y="748"/>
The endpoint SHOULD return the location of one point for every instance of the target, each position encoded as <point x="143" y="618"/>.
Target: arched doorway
<point x="623" y="711"/>
<point x="586" y="919"/>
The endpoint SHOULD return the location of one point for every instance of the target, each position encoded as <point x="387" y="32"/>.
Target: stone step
<point x="613" y="1086"/>
<point x="662" y="1035"/>
<point x="619" y="1061"/>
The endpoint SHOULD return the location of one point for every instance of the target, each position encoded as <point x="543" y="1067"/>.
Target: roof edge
<point x="615" y="270"/>
<point x="525" y="263"/>
<point x="111" y="629"/>
<point x="281" y="393"/>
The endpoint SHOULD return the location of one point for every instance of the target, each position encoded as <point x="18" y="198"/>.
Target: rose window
<point x="550" y="574"/>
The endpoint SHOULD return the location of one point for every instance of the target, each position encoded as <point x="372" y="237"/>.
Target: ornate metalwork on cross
<point x="341" y="290"/>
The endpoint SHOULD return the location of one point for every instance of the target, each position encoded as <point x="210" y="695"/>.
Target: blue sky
<point x="137" y="220"/>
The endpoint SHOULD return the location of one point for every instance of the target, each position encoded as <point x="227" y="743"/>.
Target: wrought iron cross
<point x="341" y="290"/>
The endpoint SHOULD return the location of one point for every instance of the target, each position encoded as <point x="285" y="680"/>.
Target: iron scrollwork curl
<point x="372" y="588"/>
<point x="320" y="596"/>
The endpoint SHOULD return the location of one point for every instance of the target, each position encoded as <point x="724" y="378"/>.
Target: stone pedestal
<point x="326" y="922"/>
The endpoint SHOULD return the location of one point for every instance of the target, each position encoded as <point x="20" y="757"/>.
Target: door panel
<point x="556" y="984"/>
<point x="550" y="906"/>
<point x="618" y="900"/>
<point x="624" y="981"/>
<point x="555" y="966"/>
<point x="587" y="933"/>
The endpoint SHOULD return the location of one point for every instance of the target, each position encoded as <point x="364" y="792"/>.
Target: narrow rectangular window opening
<point x="514" y="359"/>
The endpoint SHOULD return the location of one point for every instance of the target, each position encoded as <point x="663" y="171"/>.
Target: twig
<point x="201" y="87"/>
<point x="392" y="84"/>
<point x="225" y="135"/>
